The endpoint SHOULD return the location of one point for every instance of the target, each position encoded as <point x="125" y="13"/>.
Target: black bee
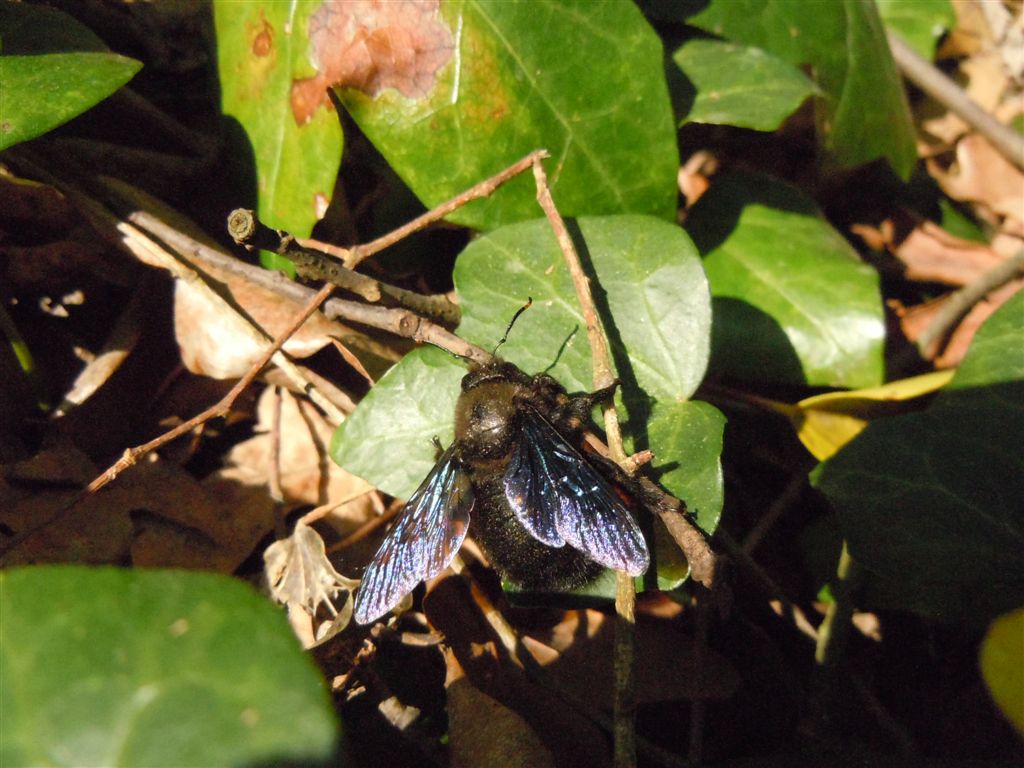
<point x="513" y="466"/>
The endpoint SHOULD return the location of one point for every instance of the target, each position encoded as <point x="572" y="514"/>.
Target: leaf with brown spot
<point x="370" y="45"/>
<point x="262" y="50"/>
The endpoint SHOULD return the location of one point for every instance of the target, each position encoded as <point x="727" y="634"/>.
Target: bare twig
<point x="750" y="567"/>
<point x="625" y="590"/>
<point x="248" y="230"/>
<point x="958" y="303"/>
<point x="483" y="189"/>
<point x="782" y="502"/>
<point x="400" y="322"/>
<point x="220" y="408"/>
<point x="921" y="73"/>
<point x="276" y="493"/>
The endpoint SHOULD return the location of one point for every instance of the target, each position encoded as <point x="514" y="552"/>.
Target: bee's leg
<point x="602" y="394"/>
<point x="575" y="411"/>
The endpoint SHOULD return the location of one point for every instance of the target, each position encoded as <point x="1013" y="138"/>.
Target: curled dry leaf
<point x="914" y="320"/>
<point x="307" y="474"/>
<point x="299" y="574"/>
<point x="930" y="253"/>
<point x="984" y="177"/>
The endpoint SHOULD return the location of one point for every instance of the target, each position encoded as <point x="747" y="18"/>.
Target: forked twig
<point x="484" y="189"/>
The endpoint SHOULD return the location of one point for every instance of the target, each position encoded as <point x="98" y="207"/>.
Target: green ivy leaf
<point x="649" y="278"/>
<point x="793" y="302"/>
<point x="388" y="440"/>
<point x="262" y="52"/>
<point x="511" y="86"/>
<point x="931" y="501"/>
<point x="863" y="112"/>
<point x="51" y="69"/>
<point x="736" y="85"/>
<point x="921" y="23"/>
<point x="1002" y="665"/>
<point x="103" y="666"/>
<point x="687" y="442"/>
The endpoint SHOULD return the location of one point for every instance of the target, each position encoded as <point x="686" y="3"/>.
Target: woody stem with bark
<point x="624" y="728"/>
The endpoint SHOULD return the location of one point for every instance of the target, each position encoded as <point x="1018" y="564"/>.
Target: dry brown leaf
<point x="56" y="465"/>
<point x="1007" y="30"/>
<point x="986" y="78"/>
<point x="300" y="576"/>
<point x="156" y="514"/>
<point x="984" y="177"/>
<point x="913" y="320"/>
<point x="483" y="732"/>
<point x="308" y="476"/>
<point x="929" y="252"/>
<point x="572" y="738"/>
<point x="694" y="175"/>
<point x="970" y="32"/>
<point x="97" y="530"/>
<point x="215" y="341"/>
<point x="181" y="523"/>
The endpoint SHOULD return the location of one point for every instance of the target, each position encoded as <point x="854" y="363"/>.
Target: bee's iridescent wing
<point x="561" y="499"/>
<point x="429" y="532"/>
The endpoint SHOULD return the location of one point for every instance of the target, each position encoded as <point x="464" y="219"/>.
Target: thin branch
<point x="397" y="321"/>
<point x="247" y="230"/>
<point x="750" y="567"/>
<point x="783" y="502"/>
<point x="484" y="189"/>
<point x="220" y="408"/>
<point x="625" y="590"/>
<point x="958" y="303"/>
<point x="925" y="76"/>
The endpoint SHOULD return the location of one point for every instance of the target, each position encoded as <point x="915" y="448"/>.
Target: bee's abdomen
<point x="516" y="555"/>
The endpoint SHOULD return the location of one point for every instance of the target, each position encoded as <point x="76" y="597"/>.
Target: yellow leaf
<point x="1002" y="665"/>
<point x="825" y="423"/>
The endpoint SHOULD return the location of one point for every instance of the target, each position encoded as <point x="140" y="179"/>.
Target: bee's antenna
<point x="526" y="306"/>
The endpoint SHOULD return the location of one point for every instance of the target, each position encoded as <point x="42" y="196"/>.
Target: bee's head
<point x="496" y="370"/>
<point x="486" y="419"/>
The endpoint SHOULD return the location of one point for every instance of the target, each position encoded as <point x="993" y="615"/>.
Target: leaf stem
<point x="834" y="631"/>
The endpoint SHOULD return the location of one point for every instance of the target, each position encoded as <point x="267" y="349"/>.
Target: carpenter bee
<point x="514" y="467"/>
